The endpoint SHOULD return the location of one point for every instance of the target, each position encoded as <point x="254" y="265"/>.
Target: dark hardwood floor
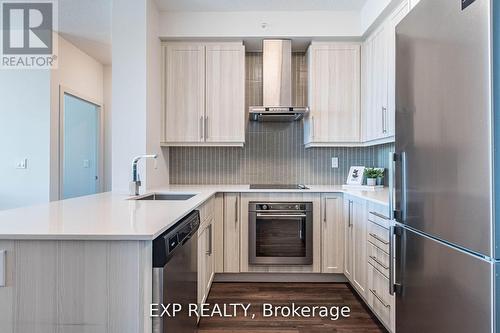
<point x="327" y="294"/>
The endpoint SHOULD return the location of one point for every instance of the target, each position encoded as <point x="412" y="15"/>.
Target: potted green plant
<point x="371" y="175"/>
<point x="380" y="178"/>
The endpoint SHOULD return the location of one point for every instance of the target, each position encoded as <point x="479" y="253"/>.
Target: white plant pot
<point x="371" y="181"/>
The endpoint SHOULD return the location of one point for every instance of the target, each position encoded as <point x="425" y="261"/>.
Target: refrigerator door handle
<point x="404" y="187"/>
<point x="392" y="160"/>
<point x="399" y="213"/>
<point x="394" y="286"/>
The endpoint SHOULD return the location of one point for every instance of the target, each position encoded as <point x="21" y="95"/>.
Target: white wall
<point x="24" y="133"/>
<point x="136" y="98"/>
<point x="107" y="126"/>
<point x="249" y="24"/>
<point x="158" y="176"/>
<point x="81" y="74"/>
<point x="374" y="12"/>
<point x="332" y="24"/>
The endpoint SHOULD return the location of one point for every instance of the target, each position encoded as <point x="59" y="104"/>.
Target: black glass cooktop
<point x="278" y="187"/>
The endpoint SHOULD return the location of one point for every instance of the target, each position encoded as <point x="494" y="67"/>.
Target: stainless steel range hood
<point x="277" y="84"/>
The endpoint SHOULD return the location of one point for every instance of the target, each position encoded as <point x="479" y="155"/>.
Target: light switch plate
<point x="22" y="164"/>
<point x="86" y="163"/>
<point x="335" y="162"/>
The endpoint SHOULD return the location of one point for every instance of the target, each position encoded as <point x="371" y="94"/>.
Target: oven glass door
<point x="280" y="235"/>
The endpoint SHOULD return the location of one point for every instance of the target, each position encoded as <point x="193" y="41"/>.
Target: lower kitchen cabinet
<point x="379" y="300"/>
<point x="206" y="259"/>
<point x="332" y="249"/>
<point x="232" y="223"/>
<point x="355" y="243"/>
<point x="218" y="230"/>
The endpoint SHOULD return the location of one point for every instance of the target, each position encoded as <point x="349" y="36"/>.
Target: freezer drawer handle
<point x="383" y="241"/>
<point x="379" y="262"/>
<point x="374" y="292"/>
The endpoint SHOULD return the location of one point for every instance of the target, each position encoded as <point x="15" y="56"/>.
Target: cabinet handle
<point x="379" y="262"/>
<point x="312" y="127"/>
<point x="236" y="210"/>
<point x="350" y="213"/>
<point x="206" y="127"/>
<point x="201" y="128"/>
<point x="209" y="250"/>
<point x="3" y="267"/>
<point x="324" y="211"/>
<point x="374" y="292"/>
<point x="384" y="119"/>
<point x="379" y="239"/>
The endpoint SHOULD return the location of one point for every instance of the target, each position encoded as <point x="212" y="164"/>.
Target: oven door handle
<point x="280" y="215"/>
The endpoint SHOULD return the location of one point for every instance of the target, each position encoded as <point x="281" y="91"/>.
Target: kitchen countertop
<point x="110" y="216"/>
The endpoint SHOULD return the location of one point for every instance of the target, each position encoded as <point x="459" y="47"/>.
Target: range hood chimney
<point x="277" y="84"/>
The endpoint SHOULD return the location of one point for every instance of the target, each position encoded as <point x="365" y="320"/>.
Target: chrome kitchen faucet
<point x="135" y="184"/>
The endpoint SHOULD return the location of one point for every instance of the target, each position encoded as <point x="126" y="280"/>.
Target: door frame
<point x="100" y="138"/>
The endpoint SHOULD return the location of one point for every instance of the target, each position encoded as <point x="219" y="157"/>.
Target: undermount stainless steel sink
<point x="166" y="196"/>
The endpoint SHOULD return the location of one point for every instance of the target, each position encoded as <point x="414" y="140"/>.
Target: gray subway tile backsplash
<point x="273" y="152"/>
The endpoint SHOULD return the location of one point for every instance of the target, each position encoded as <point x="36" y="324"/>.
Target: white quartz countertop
<point x="111" y="216"/>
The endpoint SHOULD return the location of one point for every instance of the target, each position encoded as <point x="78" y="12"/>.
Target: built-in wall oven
<point x="280" y="233"/>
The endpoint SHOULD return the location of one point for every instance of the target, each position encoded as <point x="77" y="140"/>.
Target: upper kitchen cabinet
<point x="378" y="87"/>
<point x="184" y="92"/>
<point x="204" y="91"/>
<point x="374" y="87"/>
<point x="396" y="16"/>
<point x="225" y="93"/>
<point x="333" y="95"/>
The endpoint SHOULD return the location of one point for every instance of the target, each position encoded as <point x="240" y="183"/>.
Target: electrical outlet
<point x="22" y="164"/>
<point x="335" y="162"/>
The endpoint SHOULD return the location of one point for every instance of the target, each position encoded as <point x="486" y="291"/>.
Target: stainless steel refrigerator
<point x="446" y="168"/>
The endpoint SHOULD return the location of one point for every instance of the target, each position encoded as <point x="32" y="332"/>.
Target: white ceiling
<point x="260" y="5"/>
<point x="87" y="25"/>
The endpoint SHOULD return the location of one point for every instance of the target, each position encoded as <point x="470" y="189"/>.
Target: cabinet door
<point x="348" y="238"/>
<point x="209" y="258"/>
<point x="218" y="231"/>
<point x="202" y="264"/>
<point x="334" y="90"/>
<point x="375" y="117"/>
<point x="232" y="232"/>
<point x="332" y="257"/>
<point x="205" y="260"/>
<point x="396" y="17"/>
<point x="367" y="90"/>
<point x="359" y="266"/>
<point x="225" y="93"/>
<point x="184" y="92"/>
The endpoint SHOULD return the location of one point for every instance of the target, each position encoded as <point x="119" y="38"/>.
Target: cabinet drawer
<point x="379" y="219"/>
<point x="378" y="258"/>
<point x="378" y="235"/>
<point x="379" y="299"/>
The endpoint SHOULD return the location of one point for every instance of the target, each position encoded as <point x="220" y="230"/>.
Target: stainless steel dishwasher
<point x="175" y="274"/>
